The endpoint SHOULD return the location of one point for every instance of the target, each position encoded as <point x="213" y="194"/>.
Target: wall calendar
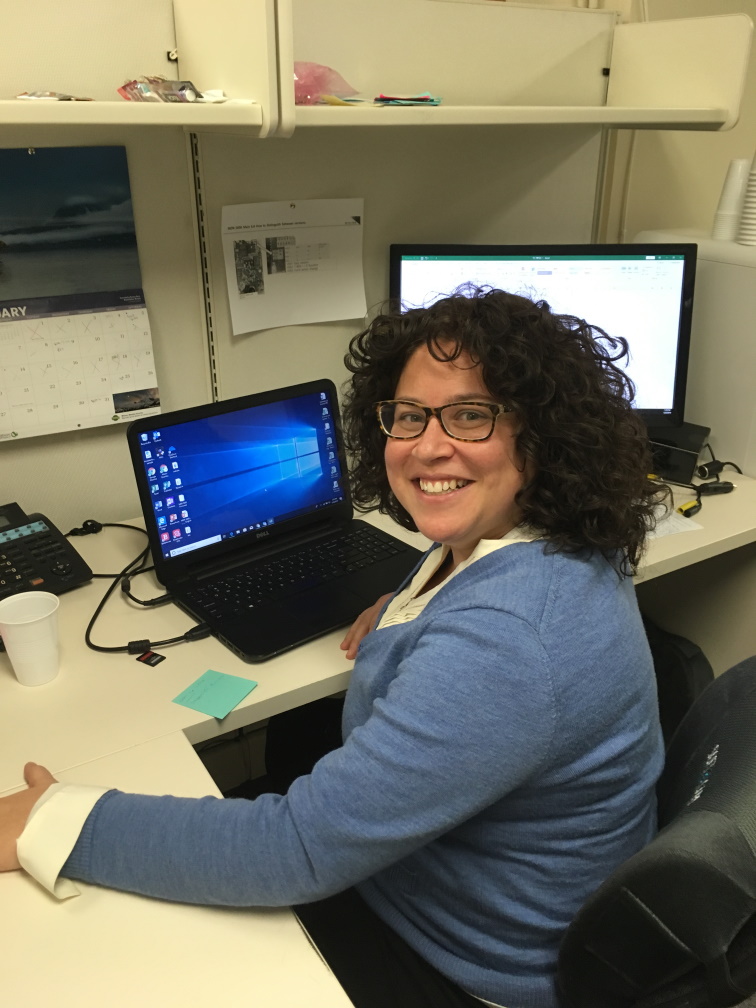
<point x="75" y="342"/>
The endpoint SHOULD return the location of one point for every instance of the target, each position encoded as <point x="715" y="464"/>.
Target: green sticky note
<point x="215" y="693"/>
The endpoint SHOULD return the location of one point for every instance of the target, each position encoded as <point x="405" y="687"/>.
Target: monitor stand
<point x="675" y="450"/>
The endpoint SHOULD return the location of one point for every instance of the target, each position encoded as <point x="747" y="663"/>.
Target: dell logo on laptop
<point x="261" y="535"/>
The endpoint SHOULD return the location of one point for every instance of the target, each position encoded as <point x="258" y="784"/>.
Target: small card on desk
<point x="215" y="693"/>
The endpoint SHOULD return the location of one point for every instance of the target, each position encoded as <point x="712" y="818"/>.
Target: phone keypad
<point x="26" y="567"/>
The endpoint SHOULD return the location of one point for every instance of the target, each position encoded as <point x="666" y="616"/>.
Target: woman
<point x="501" y="739"/>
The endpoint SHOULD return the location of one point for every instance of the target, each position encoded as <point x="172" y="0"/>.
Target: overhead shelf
<point x="243" y="117"/>
<point x="192" y="115"/>
<point x="509" y="65"/>
<point x="492" y="64"/>
<point x="511" y="115"/>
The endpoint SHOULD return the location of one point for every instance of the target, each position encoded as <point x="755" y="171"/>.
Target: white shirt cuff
<point x="51" y="831"/>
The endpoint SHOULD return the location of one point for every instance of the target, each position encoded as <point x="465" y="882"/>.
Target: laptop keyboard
<point x="296" y="570"/>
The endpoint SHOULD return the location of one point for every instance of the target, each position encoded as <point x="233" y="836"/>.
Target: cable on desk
<point x="135" y="566"/>
<point x="717" y="486"/>
<point x="92" y="527"/>
<point x="711" y="470"/>
<point x="126" y="589"/>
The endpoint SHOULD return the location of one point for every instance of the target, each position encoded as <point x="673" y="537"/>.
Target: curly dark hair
<point x="588" y="449"/>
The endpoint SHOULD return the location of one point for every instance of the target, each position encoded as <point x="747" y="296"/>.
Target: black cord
<point x="690" y="508"/>
<point x="134" y="567"/>
<point x="111" y="588"/>
<point x="715" y="487"/>
<point x="711" y="470"/>
<point x="126" y="589"/>
<point x="92" y="527"/>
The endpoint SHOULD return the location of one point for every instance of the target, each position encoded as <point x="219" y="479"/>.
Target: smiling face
<point x="457" y="492"/>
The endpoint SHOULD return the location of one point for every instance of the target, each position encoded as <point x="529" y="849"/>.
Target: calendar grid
<point x="68" y="372"/>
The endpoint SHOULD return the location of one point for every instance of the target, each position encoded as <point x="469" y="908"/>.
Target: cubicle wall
<point x="480" y="184"/>
<point x="88" y="48"/>
<point x="490" y="174"/>
<point x="87" y="474"/>
<point x="506" y="173"/>
<point x="460" y="183"/>
<point x="473" y="184"/>
<point x="676" y="177"/>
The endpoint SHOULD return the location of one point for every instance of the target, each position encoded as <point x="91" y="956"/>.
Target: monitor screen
<point x="643" y="293"/>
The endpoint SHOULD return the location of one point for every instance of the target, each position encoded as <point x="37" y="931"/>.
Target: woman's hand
<point x="362" y="627"/>
<point x="15" y="809"/>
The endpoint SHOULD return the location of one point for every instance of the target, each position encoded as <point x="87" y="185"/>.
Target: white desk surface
<point x="102" y="703"/>
<point x="728" y="522"/>
<point x="113" y="949"/>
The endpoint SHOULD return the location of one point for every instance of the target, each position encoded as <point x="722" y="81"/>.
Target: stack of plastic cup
<point x="727" y="217"/>
<point x="747" y="229"/>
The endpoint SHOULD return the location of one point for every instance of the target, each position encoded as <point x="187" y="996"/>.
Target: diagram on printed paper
<point x="289" y="263"/>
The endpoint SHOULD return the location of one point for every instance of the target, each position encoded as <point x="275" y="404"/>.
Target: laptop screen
<point x="239" y="470"/>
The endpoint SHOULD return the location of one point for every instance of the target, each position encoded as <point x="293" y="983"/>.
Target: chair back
<point x="675" y="925"/>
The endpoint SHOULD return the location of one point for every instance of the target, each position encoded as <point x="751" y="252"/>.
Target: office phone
<point x="35" y="555"/>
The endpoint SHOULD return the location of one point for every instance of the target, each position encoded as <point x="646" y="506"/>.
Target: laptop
<point x="247" y="508"/>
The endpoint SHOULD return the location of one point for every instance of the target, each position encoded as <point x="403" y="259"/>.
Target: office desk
<point x="702" y="584"/>
<point x="109" y="719"/>
<point x="102" y="703"/>
<point x="114" y="949"/>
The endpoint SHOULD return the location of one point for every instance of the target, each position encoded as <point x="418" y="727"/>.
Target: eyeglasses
<point x="463" y="421"/>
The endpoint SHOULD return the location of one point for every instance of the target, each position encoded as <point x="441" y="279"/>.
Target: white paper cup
<point x="29" y="628"/>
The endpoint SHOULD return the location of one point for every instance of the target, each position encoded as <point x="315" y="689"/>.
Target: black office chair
<point x="675" y="925"/>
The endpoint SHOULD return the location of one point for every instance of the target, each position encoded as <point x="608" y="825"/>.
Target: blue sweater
<point x="499" y="761"/>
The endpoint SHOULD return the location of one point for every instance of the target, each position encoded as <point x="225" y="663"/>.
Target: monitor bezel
<point x="688" y="250"/>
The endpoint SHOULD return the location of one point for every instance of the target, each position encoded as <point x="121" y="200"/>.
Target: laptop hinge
<point x="256" y="551"/>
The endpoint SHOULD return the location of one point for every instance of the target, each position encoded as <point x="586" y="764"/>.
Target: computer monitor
<point x="642" y="292"/>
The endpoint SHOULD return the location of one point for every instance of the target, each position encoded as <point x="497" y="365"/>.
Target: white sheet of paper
<point x="672" y="523"/>
<point x="293" y="262"/>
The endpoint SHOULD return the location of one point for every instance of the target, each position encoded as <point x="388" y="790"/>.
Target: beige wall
<point x="483" y="184"/>
<point x="675" y="178"/>
<point x="477" y="184"/>
<point x="474" y="184"/>
<point x="80" y="48"/>
<point x="87" y="474"/>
